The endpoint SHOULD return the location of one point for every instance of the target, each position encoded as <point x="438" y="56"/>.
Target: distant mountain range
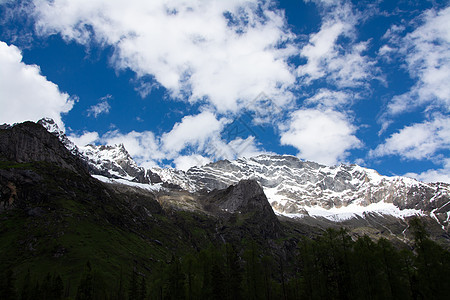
<point x="294" y="188"/>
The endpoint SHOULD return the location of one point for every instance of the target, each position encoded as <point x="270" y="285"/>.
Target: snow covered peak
<point x="109" y="161"/>
<point x="53" y="128"/>
<point x="296" y="187"/>
<point x="293" y="187"/>
<point x="113" y="153"/>
<point x="116" y="162"/>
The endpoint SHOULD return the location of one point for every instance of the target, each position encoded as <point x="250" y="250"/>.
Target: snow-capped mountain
<point x="293" y="187"/>
<point x="53" y="128"/>
<point x="108" y="161"/>
<point x="299" y="188"/>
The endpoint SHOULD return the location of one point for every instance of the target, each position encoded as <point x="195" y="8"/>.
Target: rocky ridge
<point x="109" y="161"/>
<point x="298" y="188"/>
<point x="293" y="187"/>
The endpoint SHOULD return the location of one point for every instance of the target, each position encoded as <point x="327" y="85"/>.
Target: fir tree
<point x="133" y="286"/>
<point x="27" y="292"/>
<point x="85" y="289"/>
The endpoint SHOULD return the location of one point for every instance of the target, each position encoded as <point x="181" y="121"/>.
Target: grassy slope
<point x="75" y="219"/>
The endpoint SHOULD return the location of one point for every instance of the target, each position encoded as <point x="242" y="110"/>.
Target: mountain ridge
<point x="294" y="188"/>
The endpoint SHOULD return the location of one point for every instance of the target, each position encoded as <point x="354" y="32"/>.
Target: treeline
<point x="336" y="267"/>
<point x="333" y="266"/>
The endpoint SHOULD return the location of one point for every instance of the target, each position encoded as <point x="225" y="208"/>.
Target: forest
<point x="331" y="266"/>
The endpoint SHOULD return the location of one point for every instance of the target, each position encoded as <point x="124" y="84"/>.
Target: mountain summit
<point x="297" y="188"/>
<point x="293" y="187"/>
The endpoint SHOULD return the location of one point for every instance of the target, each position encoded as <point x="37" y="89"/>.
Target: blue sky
<point x="182" y="83"/>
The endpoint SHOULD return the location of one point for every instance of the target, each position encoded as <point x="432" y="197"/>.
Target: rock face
<point x="245" y="200"/>
<point x="295" y="187"/>
<point x="29" y="142"/>
<point x="245" y="196"/>
<point x="53" y="128"/>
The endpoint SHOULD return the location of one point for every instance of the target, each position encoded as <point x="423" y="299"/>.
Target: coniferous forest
<point x="332" y="266"/>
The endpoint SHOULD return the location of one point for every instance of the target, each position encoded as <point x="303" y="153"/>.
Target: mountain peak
<point x="299" y="188"/>
<point x="246" y="201"/>
<point x="293" y="187"/>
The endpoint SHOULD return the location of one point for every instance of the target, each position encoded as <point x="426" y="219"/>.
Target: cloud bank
<point x="25" y="94"/>
<point x="195" y="140"/>
<point x="321" y="136"/>
<point x="222" y="52"/>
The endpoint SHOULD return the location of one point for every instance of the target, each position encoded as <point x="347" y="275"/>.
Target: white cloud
<point x="418" y="141"/>
<point x="321" y="136"/>
<point x="193" y="134"/>
<point x="25" y="94"/>
<point x="325" y="98"/>
<point x="142" y="146"/>
<point x="193" y="141"/>
<point x="192" y="131"/>
<point x="324" y="2"/>
<point x="184" y="162"/>
<point x="102" y="107"/>
<point x="427" y="56"/>
<point x="236" y="148"/>
<point x="341" y="64"/>
<point x="225" y="52"/>
<point x="84" y="139"/>
<point x="438" y="175"/>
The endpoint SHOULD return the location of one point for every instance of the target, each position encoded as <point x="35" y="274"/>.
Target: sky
<point x="183" y="83"/>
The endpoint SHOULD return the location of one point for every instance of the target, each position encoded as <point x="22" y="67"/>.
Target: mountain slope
<point x="55" y="217"/>
<point x="297" y="188"/>
<point x="293" y="187"/>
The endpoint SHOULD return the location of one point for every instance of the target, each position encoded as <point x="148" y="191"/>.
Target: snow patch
<point x="149" y="187"/>
<point x="354" y="211"/>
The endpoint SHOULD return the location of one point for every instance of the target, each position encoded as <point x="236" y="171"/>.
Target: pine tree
<point x="233" y="273"/>
<point x="26" y="293"/>
<point x="174" y="287"/>
<point x="120" y="294"/>
<point x="57" y="287"/>
<point x="8" y="285"/>
<point x="253" y="272"/>
<point x="85" y="289"/>
<point x="133" y="286"/>
<point x="218" y="282"/>
<point x="142" y="289"/>
<point x="432" y="263"/>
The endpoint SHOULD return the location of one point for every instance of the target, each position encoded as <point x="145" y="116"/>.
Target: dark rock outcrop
<point x="30" y="142"/>
<point x="245" y="202"/>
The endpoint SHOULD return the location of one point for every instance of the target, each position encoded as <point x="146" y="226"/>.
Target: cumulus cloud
<point x="325" y="98"/>
<point x="84" y="139"/>
<point x="25" y="94"/>
<point x="192" y="131"/>
<point x="427" y="56"/>
<point x="322" y="136"/>
<point x="185" y="162"/>
<point x="192" y="142"/>
<point x="341" y="64"/>
<point x="224" y="52"/>
<point x="236" y="148"/>
<point x="418" y="141"/>
<point x="195" y="140"/>
<point x="437" y="175"/>
<point x="102" y="107"/>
